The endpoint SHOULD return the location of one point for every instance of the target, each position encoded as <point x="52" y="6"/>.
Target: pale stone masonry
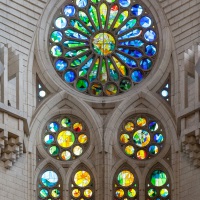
<point x="24" y="26"/>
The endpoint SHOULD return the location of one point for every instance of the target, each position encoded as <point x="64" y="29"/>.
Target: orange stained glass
<point x="119" y="193"/>
<point x="125" y="178"/>
<point x="82" y="138"/>
<point x="141" y="154"/>
<point x="76" y="193"/>
<point x="78" y="127"/>
<point x="141" y="121"/>
<point x="129" y="126"/>
<point x="87" y="193"/>
<point x="82" y="178"/>
<point x="66" y="139"/>
<point x="124" y="138"/>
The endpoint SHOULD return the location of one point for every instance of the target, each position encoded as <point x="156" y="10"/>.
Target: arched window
<point x="82" y="184"/>
<point x="103" y="48"/>
<point x="125" y="184"/>
<point x="158" y="184"/>
<point x="65" y="137"/>
<point x="49" y="184"/>
<point x="141" y="136"/>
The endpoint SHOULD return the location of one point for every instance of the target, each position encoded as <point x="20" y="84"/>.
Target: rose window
<point x="103" y="47"/>
<point x="141" y="137"/>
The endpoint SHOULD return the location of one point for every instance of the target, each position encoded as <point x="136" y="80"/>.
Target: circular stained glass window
<point x="103" y="48"/>
<point x="125" y="184"/>
<point x="49" y="186"/>
<point x="158" y="185"/>
<point x="65" y="137"/>
<point x="82" y="185"/>
<point x="141" y="137"/>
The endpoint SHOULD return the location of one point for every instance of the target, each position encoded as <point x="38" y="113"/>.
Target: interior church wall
<point x="19" y="25"/>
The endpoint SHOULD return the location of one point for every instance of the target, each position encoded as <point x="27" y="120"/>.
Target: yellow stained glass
<point x="77" y="150"/>
<point x="76" y="193"/>
<point x="125" y="178"/>
<point x="141" y="154"/>
<point x="119" y="193"/>
<point x="122" y="17"/>
<point x="121" y="67"/>
<point x="129" y="126"/>
<point x="78" y="127"/>
<point x="103" y="14"/>
<point x="87" y="193"/>
<point x="131" y="193"/>
<point x="66" y="139"/>
<point x="82" y="178"/>
<point x="141" y="121"/>
<point x="82" y="138"/>
<point x="129" y="150"/>
<point x="124" y="138"/>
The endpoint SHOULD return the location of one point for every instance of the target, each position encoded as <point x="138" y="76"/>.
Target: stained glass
<point x="53" y="127"/>
<point x="158" y="138"/>
<point x="141" y="154"/>
<point x="66" y="122"/>
<point x="44" y="193"/>
<point x="101" y="41"/>
<point x="49" y="139"/>
<point x="141" y="138"/>
<point x="49" y="178"/>
<point x="82" y="138"/>
<point x="125" y="178"/>
<point x="119" y="193"/>
<point x="54" y="150"/>
<point x="152" y="192"/>
<point x="153" y="126"/>
<point x="88" y="193"/>
<point x="141" y="121"/>
<point x="76" y="193"/>
<point x="124" y="138"/>
<point x="153" y="149"/>
<point x="66" y="155"/>
<point x="77" y="150"/>
<point x="55" y="193"/>
<point x="131" y="193"/>
<point x="129" y="126"/>
<point x="82" y="178"/>
<point x="129" y="150"/>
<point x="164" y="193"/>
<point x="158" y="178"/>
<point x="78" y="127"/>
<point x="66" y="139"/>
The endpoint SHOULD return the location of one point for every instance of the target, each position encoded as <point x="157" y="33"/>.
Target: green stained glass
<point x="141" y="138"/>
<point x="103" y="74"/>
<point x="125" y="84"/>
<point x="93" y="15"/>
<point x="73" y="34"/>
<point x="44" y="193"/>
<point x="125" y="178"/>
<point x="84" y="18"/>
<point x="84" y="69"/>
<point x="122" y="17"/>
<point x="54" y="150"/>
<point x="113" y="72"/>
<point x="96" y="89"/>
<point x="55" y="193"/>
<point x="121" y="67"/>
<point x="164" y="193"/>
<point x="111" y="89"/>
<point x="113" y="14"/>
<point x="78" y="61"/>
<point x="95" y="1"/>
<point x="110" y="1"/>
<point x="66" y="122"/>
<point x="74" y="53"/>
<point x="152" y="192"/>
<point x="93" y="73"/>
<point x="82" y="85"/>
<point x="73" y="43"/>
<point x="56" y="36"/>
<point x="132" y="193"/>
<point x="158" y="178"/>
<point x="130" y="24"/>
<point x="49" y="139"/>
<point x="56" y="51"/>
<point x="103" y="14"/>
<point x="76" y="24"/>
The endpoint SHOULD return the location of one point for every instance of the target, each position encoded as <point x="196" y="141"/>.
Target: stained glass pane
<point x="82" y="178"/>
<point x="125" y="178"/>
<point x="158" y="178"/>
<point x="49" y="178"/>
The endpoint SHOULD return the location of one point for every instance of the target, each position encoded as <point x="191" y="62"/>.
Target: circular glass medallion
<point x="49" y="179"/>
<point x="164" y="193"/>
<point x="119" y="193"/>
<point x="152" y="192"/>
<point x="77" y="150"/>
<point x="153" y="126"/>
<point x="111" y="89"/>
<point x="69" y="10"/>
<point x="141" y="121"/>
<point x="103" y="43"/>
<point x="96" y="89"/>
<point x="158" y="178"/>
<point x="137" y="76"/>
<point x="44" y="193"/>
<point x="69" y="76"/>
<point x="124" y="138"/>
<point x="82" y="178"/>
<point x="66" y="139"/>
<point x="54" y="150"/>
<point x="53" y="127"/>
<point x="60" y="65"/>
<point x="66" y="122"/>
<point x="82" y="85"/>
<point x="76" y="193"/>
<point x="129" y="126"/>
<point x="129" y="150"/>
<point x="55" y="193"/>
<point x="125" y="84"/>
<point x="82" y="138"/>
<point x="158" y="138"/>
<point x="66" y="155"/>
<point x="153" y="149"/>
<point x="88" y="193"/>
<point x="141" y="138"/>
<point x="125" y="178"/>
<point x="131" y="193"/>
<point x="141" y="154"/>
<point x="78" y="127"/>
<point x="49" y="139"/>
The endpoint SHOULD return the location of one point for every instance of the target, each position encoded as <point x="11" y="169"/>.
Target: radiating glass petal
<point x="84" y="69"/>
<point x="94" y="16"/>
<point x="134" y="43"/>
<point x="122" y="17"/>
<point x="121" y="67"/>
<point x="93" y="73"/>
<point x="76" y="24"/>
<point x="78" y="61"/>
<point x="84" y="18"/>
<point x="128" y="61"/>
<point x="73" y="43"/>
<point x="113" y="72"/>
<point x="103" y="14"/>
<point x="73" y="34"/>
<point x="113" y="14"/>
<point x="130" y="52"/>
<point x="130" y="24"/>
<point x="103" y="73"/>
<point x="73" y="53"/>
<point x="132" y="34"/>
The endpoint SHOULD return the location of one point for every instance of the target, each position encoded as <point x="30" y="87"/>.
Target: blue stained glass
<point x="137" y="76"/>
<point x="124" y="3"/>
<point x="69" y="10"/>
<point x="49" y="179"/>
<point x="134" y="53"/>
<point x="128" y="61"/>
<point x="56" y="36"/>
<point x="61" y="22"/>
<point x="146" y="64"/>
<point x="135" y="43"/>
<point x="69" y="76"/>
<point x="158" y="138"/>
<point x="150" y="50"/>
<point x="134" y="33"/>
<point x="74" y="34"/>
<point x="81" y="3"/>
<point x="84" y="69"/>
<point x="145" y="22"/>
<point x="153" y="126"/>
<point x="130" y="24"/>
<point x="137" y="10"/>
<point x="60" y="65"/>
<point x="53" y="127"/>
<point x="150" y="36"/>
